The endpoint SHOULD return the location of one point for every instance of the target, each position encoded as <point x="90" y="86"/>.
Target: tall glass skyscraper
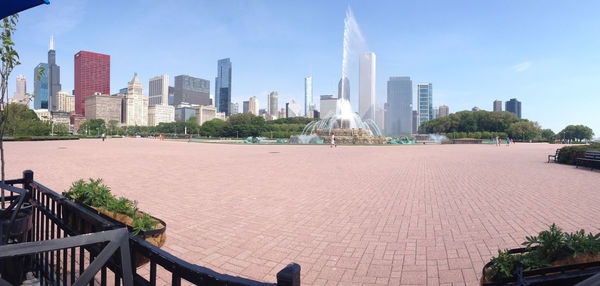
<point x="398" y="119"/>
<point x="308" y="95"/>
<point x="53" y="77"/>
<point x="425" y="102"/>
<point x="223" y="86"/>
<point x="40" y="87"/>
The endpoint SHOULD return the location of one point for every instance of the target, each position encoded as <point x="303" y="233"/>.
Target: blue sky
<point x="544" y="53"/>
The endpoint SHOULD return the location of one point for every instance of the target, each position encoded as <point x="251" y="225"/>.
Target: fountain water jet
<point x="344" y="123"/>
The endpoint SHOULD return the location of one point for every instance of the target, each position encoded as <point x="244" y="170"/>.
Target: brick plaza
<point x="391" y="215"/>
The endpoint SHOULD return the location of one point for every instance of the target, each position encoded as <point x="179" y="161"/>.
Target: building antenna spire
<point x="52" y="42"/>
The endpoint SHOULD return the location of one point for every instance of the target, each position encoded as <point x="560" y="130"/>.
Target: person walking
<point x="103" y="136"/>
<point x="332" y="141"/>
<point x="507" y="141"/>
<point x="497" y="141"/>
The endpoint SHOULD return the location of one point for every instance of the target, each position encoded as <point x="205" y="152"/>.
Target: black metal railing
<point x="56" y="217"/>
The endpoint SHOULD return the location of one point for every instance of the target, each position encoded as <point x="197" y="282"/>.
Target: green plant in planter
<point x="97" y="194"/>
<point x="503" y="265"/>
<point x="580" y="244"/>
<point x="544" y="249"/>
<point x="144" y="222"/>
<point x="549" y="243"/>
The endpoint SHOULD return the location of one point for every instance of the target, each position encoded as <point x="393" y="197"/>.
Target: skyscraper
<point x="246" y="107"/>
<point x="223" y="86"/>
<point x="40" y="87"/>
<point x="253" y="105"/>
<point x="328" y="105"/>
<point x="92" y="74"/>
<point x="21" y="90"/>
<point x="292" y="109"/>
<point x="158" y="90"/>
<point x="65" y="102"/>
<point x="497" y="105"/>
<point x="514" y="106"/>
<point x="53" y="77"/>
<point x="345" y="87"/>
<point x="136" y="104"/>
<point x="444" y="110"/>
<point x="235" y="108"/>
<point x="398" y="119"/>
<point x="308" y="95"/>
<point x="415" y="122"/>
<point x="273" y="103"/>
<point x="366" y="86"/>
<point x="425" y="102"/>
<point x="191" y="90"/>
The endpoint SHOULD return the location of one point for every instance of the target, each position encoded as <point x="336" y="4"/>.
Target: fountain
<point x="344" y="123"/>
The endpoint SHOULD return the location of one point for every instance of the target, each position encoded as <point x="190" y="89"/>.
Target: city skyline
<point x="471" y="49"/>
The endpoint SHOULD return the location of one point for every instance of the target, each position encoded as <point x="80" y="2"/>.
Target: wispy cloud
<point x="522" y="66"/>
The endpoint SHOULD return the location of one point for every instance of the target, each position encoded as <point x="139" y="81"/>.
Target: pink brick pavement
<point x="423" y="215"/>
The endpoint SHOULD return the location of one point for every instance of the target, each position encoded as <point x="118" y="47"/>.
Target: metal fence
<point x="55" y="217"/>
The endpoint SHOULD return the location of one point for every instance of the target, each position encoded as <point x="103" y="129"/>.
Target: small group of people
<point x="508" y="141"/>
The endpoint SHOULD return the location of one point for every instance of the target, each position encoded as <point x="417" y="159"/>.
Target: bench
<point x="591" y="159"/>
<point x="553" y="156"/>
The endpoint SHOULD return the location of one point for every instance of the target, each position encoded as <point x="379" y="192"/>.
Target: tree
<point x="576" y="132"/>
<point x="548" y="135"/>
<point x="524" y="130"/>
<point x="241" y="118"/>
<point x="214" y="128"/>
<point x="113" y="125"/>
<point x="10" y="59"/>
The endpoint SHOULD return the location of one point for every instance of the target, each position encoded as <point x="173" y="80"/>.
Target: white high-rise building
<point x="65" y="101"/>
<point x="328" y="105"/>
<point x="19" y="95"/>
<point x="136" y="104"/>
<point x="366" y="86"/>
<point x="253" y="105"/>
<point x="158" y="90"/>
<point x="308" y="95"/>
<point x="273" y="103"/>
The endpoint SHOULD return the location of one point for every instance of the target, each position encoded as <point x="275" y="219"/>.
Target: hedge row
<point x="569" y="154"/>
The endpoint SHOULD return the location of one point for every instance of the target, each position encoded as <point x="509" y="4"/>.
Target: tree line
<point x="485" y="124"/>
<point x="237" y="125"/>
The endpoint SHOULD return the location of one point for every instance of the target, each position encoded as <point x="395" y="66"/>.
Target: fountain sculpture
<point x="344" y="123"/>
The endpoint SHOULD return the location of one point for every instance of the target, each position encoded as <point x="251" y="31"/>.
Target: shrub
<point x="569" y="154"/>
<point x="98" y="195"/>
<point x="22" y="138"/>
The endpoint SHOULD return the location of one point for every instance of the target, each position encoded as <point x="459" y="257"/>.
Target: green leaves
<point x="545" y="248"/>
<point x="95" y="193"/>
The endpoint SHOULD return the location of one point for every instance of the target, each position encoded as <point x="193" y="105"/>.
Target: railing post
<point x="27" y="180"/>
<point x="289" y="276"/>
<point x="27" y="177"/>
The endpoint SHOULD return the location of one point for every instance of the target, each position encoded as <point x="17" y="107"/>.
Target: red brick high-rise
<point x="92" y="74"/>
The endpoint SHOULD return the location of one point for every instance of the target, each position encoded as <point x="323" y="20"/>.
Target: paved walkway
<point x="352" y="215"/>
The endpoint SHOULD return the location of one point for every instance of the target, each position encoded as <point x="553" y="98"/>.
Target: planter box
<point x="559" y="274"/>
<point x="156" y="237"/>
